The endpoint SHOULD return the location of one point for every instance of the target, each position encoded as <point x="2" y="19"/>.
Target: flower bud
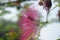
<point x="47" y="4"/>
<point x="40" y="3"/>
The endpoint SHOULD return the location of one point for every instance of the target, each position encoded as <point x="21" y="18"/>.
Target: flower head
<point x="28" y="23"/>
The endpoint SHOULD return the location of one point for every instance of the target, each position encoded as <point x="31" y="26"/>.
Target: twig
<point x="12" y="2"/>
<point x="53" y="8"/>
<point x="47" y="16"/>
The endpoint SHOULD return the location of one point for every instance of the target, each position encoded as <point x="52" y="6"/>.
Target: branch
<point x="12" y="2"/>
<point x="53" y="8"/>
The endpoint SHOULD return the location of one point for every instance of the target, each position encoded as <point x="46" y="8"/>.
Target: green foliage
<point x="58" y="39"/>
<point x="3" y="11"/>
<point x="1" y="39"/>
<point x="58" y="1"/>
<point x="8" y="30"/>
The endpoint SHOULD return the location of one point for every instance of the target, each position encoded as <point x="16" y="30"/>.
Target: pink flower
<point x="28" y="23"/>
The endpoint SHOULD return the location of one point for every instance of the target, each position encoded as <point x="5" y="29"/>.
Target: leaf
<point x="58" y="4"/>
<point x="11" y="35"/>
<point x="56" y="0"/>
<point x="4" y="12"/>
<point x="1" y="38"/>
<point x="58" y="39"/>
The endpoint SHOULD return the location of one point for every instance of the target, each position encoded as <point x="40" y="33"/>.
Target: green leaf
<point x="1" y="39"/>
<point x="59" y="4"/>
<point x="4" y="12"/>
<point x="58" y="39"/>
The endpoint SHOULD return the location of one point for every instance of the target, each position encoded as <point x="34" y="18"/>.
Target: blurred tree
<point x="13" y="3"/>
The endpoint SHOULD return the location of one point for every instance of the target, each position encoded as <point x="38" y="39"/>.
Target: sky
<point x="48" y="32"/>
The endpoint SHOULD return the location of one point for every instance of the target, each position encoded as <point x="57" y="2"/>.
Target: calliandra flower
<point x="28" y="23"/>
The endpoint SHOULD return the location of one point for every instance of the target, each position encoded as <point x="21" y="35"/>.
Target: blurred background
<point x="9" y="15"/>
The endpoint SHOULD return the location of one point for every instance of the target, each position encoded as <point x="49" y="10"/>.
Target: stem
<point x="59" y="19"/>
<point x="53" y="8"/>
<point x="47" y="17"/>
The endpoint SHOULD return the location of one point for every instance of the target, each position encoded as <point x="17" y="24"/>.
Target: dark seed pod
<point x="47" y="4"/>
<point x="40" y="3"/>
